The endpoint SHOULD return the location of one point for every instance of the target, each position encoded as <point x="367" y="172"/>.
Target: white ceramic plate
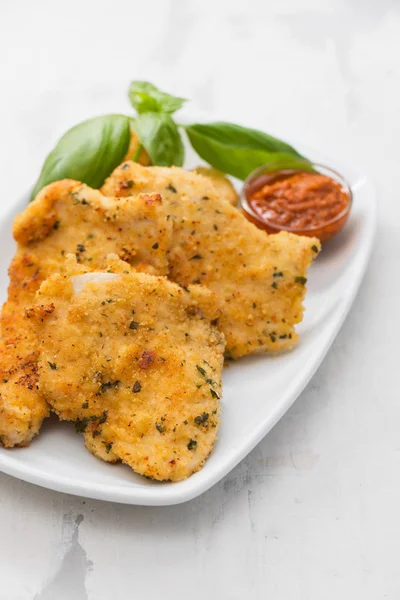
<point x="257" y="390"/>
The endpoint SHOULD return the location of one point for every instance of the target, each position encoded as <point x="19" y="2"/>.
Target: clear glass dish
<point x="324" y="230"/>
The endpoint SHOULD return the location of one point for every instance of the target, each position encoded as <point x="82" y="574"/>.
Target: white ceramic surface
<point x="257" y="391"/>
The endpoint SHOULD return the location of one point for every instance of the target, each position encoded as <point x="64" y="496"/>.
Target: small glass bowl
<point x="323" y="231"/>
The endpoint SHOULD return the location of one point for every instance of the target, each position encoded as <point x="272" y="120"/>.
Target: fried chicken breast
<point x="132" y="360"/>
<point x="65" y="217"/>
<point x="221" y="183"/>
<point x="258" y="279"/>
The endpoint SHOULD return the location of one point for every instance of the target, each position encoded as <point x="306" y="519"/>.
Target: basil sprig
<point x="88" y="152"/>
<point x="228" y="147"/>
<point x="154" y="125"/>
<point x="238" y="150"/>
<point x="145" y="97"/>
<point x="159" y="135"/>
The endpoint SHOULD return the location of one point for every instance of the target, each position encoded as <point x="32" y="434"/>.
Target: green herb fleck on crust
<point x="81" y="424"/>
<point x="160" y="427"/>
<point x="108" y="385"/>
<point x="300" y="279"/>
<point x="137" y="386"/>
<point x="201" y="419"/>
<point x="192" y="445"/>
<point x="103" y="419"/>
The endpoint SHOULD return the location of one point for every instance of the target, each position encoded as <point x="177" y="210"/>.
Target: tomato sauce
<point x="308" y="203"/>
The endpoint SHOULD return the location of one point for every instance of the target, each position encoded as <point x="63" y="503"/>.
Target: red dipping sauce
<point x="303" y="202"/>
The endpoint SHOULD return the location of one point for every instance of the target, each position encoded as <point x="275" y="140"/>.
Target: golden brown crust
<point x="21" y="410"/>
<point x="221" y="183"/>
<point x="132" y="360"/>
<point x="258" y="279"/>
<point x="66" y="217"/>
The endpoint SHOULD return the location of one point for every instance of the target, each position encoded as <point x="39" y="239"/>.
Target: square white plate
<point x="257" y="390"/>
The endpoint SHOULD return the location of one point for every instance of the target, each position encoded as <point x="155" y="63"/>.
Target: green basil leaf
<point x="145" y="97"/>
<point x="88" y="152"/>
<point x="238" y="150"/>
<point x="159" y="135"/>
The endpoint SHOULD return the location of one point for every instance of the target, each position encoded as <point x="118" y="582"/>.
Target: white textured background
<point x="314" y="512"/>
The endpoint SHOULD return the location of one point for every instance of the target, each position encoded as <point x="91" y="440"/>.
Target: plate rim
<point x="177" y="493"/>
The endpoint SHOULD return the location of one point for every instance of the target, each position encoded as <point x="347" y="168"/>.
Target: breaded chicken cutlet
<point x="221" y="183"/>
<point x="66" y="217"/>
<point x="258" y="279"/>
<point x="132" y="360"/>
